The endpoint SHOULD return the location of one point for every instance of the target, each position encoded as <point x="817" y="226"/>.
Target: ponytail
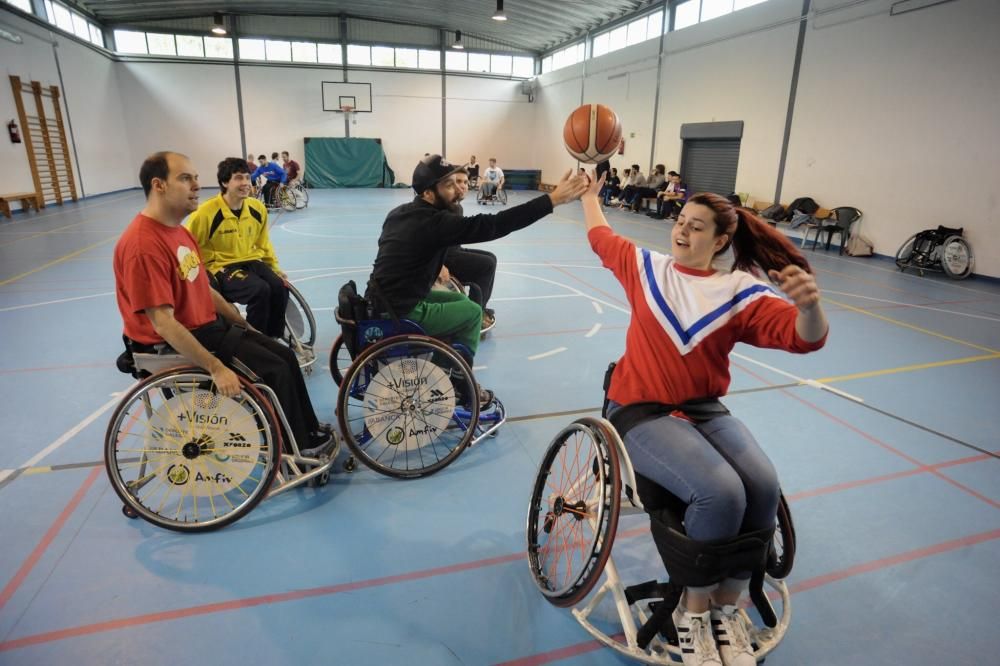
<point x="756" y="243"/>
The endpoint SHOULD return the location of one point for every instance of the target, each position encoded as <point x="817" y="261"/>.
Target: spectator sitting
<point x="656" y="183"/>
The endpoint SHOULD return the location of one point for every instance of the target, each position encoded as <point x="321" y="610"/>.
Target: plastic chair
<point x="843" y="217"/>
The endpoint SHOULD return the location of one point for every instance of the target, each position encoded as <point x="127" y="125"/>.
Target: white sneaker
<point x="694" y="635"/>
<point x="733" y="637"/>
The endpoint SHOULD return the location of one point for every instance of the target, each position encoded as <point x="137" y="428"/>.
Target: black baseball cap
<point x="432" y="170"/>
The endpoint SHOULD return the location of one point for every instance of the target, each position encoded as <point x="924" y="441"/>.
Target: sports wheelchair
<point x="300" y="329"/>
<point x="408" y="403"/>
<point x="572" y="522"/>
<point x="184" y="457"/>
<point x="942" y="250"/>
<point x="499" y="195"/>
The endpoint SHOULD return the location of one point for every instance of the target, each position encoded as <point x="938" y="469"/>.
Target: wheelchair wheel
<point x="185" y="458"/>
<point x="300" y="327"/>
<point x="905" y="253"/>
<point x="956" y="258"/>
<point x="781" y="555"/>
<point x="573" y="513"/>
<point x="408" y="406"/>
<point x="286" y="200"/>
<point x="301" y="196"/>
<point x="502" y="196"/>
<point x="340" y="360"/>
<point x="481" y="197"/>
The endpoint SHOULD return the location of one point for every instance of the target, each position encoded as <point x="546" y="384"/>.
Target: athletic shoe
<point x="319" y="443"/>
<point x="485" y="398"/>
<point x="489" y="321"/>
<point x="732" y="636"/>
<point x="694" y="635"/>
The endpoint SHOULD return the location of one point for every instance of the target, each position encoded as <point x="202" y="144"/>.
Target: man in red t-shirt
<point x="164" y="296"/>
<point x="292" y="167"/>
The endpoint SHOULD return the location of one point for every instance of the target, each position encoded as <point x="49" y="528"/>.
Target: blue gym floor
<point x="895" y="495"/>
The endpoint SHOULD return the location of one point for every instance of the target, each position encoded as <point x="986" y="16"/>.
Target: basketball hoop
<point x="348" y="112"/>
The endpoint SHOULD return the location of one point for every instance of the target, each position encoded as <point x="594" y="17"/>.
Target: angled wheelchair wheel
<point x="481" y="197"/>
<point x="408" y="406"/>
<point x="340" y="360"/>
<point x="781" y="555"/>
<point x="185" y="458"/>
<point x="301" y="195"/>
<point x="905" y="253"/>
<point x="573" y="513"/>
<point x="285" y="198"/>
<point x="502" y="196"/>
<point x="300" y="328"/>
<point x="956" y="258"/>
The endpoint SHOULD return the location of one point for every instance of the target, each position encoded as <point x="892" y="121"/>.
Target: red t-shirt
<point x="292" y="169"/>
<point x="159" y="265"/>
<point x="685" y="322"/>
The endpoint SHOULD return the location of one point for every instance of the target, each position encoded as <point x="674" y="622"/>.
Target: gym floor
<point x="893" y="477"/>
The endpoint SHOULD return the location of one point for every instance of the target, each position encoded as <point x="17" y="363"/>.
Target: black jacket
<point x="415" y="237"/>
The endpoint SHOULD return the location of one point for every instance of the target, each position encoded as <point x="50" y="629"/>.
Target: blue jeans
<point x="716" y="467"/>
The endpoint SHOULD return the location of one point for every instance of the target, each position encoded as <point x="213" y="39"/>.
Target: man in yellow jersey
<point x="231" y="231"/>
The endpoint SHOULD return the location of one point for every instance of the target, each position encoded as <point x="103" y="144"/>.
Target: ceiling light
<point x="220" y="25"/>
<point x="498" y="15"/>
<point x="458" y="40"/>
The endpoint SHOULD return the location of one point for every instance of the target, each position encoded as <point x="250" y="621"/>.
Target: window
<point x="686" y="14"/>
<point x="127" y="41"/>
<point x="160" y="44"/>
<point x="429" y="59"/>
<point x="743" y="4"/>
<point x="382" y="56"/>
<point x="252" y="49"/>
<point x="96" y="36"/>
<point x="456" y="60"/>
<point x="636" y="32"/>
<point x="546" y="64"/>
<point x="190" y="46"/>
<point x="501" y="64"/>
<point x="523" y="67"/>
<point x="479" y="62"/>
<point x="80" y="27"/>
<point x="23" y="5"/>
<point x="303" y="52"/>
<point x="617" y="39"/>
<point x="654" y="25"/>
<point x="219" y="47"/>
<point x="711" y="9"/>
<point x="601" y="44"/>
<point x="359" y="55"/>
<point x="278" y="51"/>
<point x="329" y="53"/>
<point x="407" y="58"/>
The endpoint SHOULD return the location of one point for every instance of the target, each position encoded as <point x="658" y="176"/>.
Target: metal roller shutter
<point x="709" y="165"/>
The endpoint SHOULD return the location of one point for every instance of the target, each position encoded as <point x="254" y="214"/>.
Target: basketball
<point x="592" y="133"/>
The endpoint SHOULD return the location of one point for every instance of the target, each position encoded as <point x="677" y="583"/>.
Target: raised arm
<point x="592" y="213"/>
<point x="800" y="286"/>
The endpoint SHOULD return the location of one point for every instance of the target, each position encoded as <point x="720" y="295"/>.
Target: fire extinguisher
<point x="15" y="134"/>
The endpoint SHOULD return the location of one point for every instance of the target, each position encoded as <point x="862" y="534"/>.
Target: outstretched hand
<point x="596" y="184"/>
<point x="570" y="188"/>
<point x="799" y="285"/>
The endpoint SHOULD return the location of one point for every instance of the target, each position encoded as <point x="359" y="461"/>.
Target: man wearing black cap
<point x="416" y="235"/>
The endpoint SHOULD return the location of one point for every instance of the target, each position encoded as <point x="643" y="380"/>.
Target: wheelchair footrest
<point x="661" y="621"/>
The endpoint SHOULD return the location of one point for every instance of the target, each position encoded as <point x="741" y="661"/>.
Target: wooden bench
<point x="28" y="201"/>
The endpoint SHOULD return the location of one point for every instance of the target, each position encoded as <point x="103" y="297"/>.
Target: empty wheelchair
<point x="584" y="484"/>
<point x="941" y="250"/>
<point x="408" y="403"/>
<point x="184" y="457"/>
<point x="497" y="196"/>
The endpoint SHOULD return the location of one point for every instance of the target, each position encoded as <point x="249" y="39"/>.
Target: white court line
<point x="477" y="368"/>
<point x="593" y="331"/>
<point x="597" y="306"/>
<point x="63" y="211"/>
<point x="328" y="268"/>
<point x="552" y="352"/>
<point x="65" y="437"/>
<point x="61" y="300"/>
<point x="343" y="271"/>
<point x="533" y="298"/>
<point x="909" y="305"/>
<point x="337" y="236"/>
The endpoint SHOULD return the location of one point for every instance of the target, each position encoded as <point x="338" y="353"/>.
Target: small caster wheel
<point x="129" y="512"/>
<point x="319" y="480"/>
<point x="350" y="464"/>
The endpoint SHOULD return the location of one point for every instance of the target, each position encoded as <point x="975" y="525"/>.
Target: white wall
<point x="882" y="103"/>
<point x="900" y="116"/>
<point x="489" y="118"/>
<point x="90" y="99"/>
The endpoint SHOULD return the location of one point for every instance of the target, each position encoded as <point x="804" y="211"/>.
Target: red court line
<point x="810" y="584"/>
<point x="50" y="535"/>
<point x="48" y="368"/>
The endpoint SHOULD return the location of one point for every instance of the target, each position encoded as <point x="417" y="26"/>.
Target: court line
<point x="909" y="368"/>
<point x="551" y="352"/>
<point x="593" y="331"/>
<point x="54" y="262"/>
<point x="50" y="535"/>
<point x="919" y="329"/>
<point x="803" y="586"/>
<point x="910" y="305"/>
<point x="61" y="300"/>
<point x="77" y="207"/>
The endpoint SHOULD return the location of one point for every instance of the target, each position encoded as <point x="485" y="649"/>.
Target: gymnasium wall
<point x="91" y="101"/>
<point x="895" y="115"/>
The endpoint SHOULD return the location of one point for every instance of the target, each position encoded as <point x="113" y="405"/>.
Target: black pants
<point x="473" y="267"/>
<point x="668" y="207"/>
<point x="270" y="192"/>
<point x="277" y="367"/>
<point x="263" y="292"/>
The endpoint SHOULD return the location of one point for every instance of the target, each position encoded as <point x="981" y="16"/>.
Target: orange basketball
<point x="592" y="133"/>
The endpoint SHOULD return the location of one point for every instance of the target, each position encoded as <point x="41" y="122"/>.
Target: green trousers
<point x="449" y="314"/>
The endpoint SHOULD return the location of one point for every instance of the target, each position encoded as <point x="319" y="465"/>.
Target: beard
<point x="442" y="203"/>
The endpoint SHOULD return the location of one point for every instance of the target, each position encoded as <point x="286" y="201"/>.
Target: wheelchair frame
<point x="938" y="250"/>
<point x="281" y="470"/>
<point x="614" y="474"/>
<point x="499" y="196"/>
